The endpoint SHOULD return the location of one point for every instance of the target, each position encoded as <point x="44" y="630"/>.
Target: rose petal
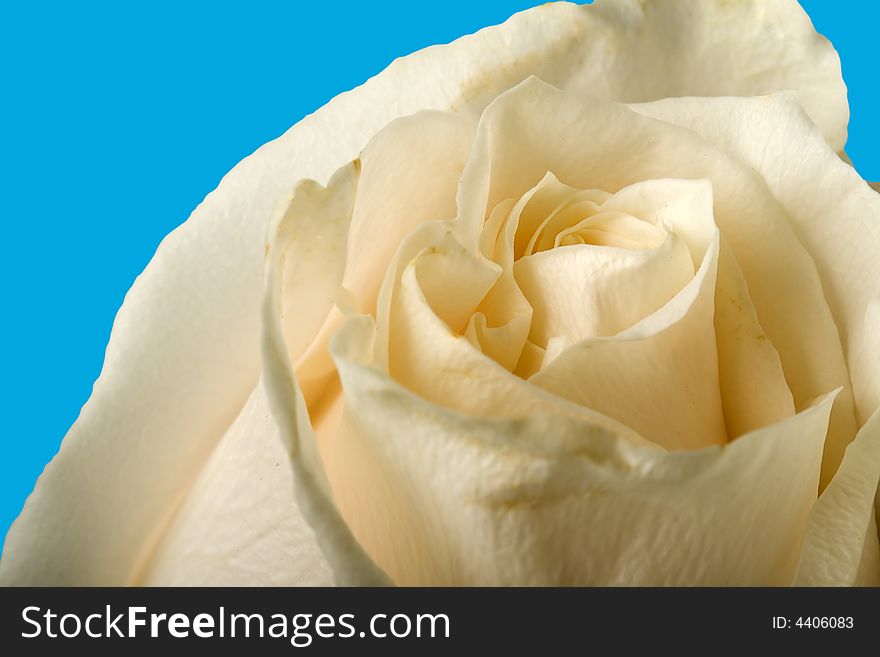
<point x="598" y="292"/>
<point x="309" y="202"/>
<point x="313" y="272"/>
<point x="659" y="377"/>
<point x="636" y="50"/>
<point x="675" y="48"/>
<point x="841" y="546"/>
<point x="408" y="175"/>
<point x="557" y="499"/>
<point x="539" y="213"/>
<point x="583" y="291"/>
<point x="183" y="356"/>
<point x="754" y="391"/>
<point x="423" y="311"/>
<point x="511" y="320"/>
<point x="835" y="214"/>
<point x="615" y="149"/>
<point x="238" y="525"/>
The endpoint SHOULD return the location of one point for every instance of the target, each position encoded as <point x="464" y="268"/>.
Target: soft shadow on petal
<point x="557" y="499"/>
<point x="835" y="214"/>
<point x="433" y="288"/>
<point x="660" y="376"/>
<point x="351" y="566"/>
<point x="841" y="547"/>
<point x="582" y="291"/>
<point x="408" y="174"/>
<point x="754" y="391"/>
<point x="833" y="211"/>
<point x="618" y="147"/>
<point x="312" y="274"/>
<point x="239" y="525"/>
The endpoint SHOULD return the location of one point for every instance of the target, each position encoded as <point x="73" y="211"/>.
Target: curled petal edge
<point x="350" y="563"/>
<point x="840" y="544"/>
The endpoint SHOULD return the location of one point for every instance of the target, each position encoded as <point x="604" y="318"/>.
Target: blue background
<point x="116" y="120"/>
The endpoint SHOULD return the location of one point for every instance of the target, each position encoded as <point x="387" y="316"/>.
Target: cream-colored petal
<point x="685" y="206"/>
<point x="620" y="147"/>
<point x="868" y="573"/>
<point x="313" y="273"/>
<point x="835" y="214"/>
<point x="500" y="326"/>
<point x="239" y="524"/>
<point x="316" y="260"/>
<point x="547" y="209"/>
<point x="427" y="349"/>
<point x="840" y="547"/>
<point x="432" y="289"/>
<point x="350" y="565"/>
<point x="183" y="357"/>
<point x="589" y="291"/>
<point x="616" y="229"/>
<point x="754" y="391"/>
<point x="556" y="499"/>
<point x="640" y="50"/>
<point x="674" y="48"/>
<point x="583" y="291"/>
<point x="659" y="377"/>
<point x="555" y="346"/>
<point x="408" y="174"/>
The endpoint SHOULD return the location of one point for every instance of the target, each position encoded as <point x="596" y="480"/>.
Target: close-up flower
<point x="591" y="297"/>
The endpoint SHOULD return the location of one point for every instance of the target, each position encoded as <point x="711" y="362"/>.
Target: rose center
<point x="584" y="263"/>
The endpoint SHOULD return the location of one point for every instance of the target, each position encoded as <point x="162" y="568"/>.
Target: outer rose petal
<point x="229" y="522"/>
<point x="183" y="356"/>
<point x="559" y="499"/>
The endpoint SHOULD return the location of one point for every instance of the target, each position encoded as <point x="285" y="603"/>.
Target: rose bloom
<point x="590" y="297"/>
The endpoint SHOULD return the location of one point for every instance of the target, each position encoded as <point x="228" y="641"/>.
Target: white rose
<point x="529" y="336"/>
